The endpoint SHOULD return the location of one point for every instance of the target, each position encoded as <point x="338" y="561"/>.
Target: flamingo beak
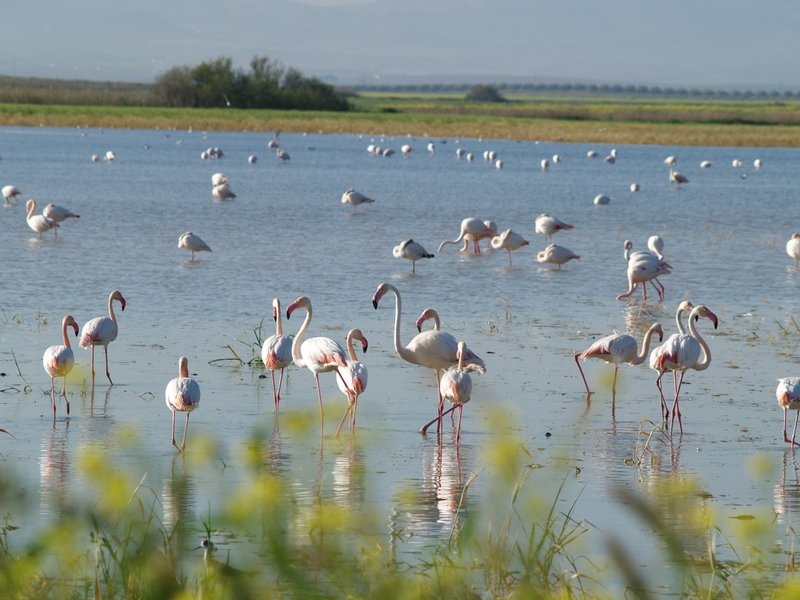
<point x="660" y="336"/>
<point x="75" y="328"/>
<point x="375" y="303"/>
<point x="364" y="344"/>
<point x="274" y="315"/>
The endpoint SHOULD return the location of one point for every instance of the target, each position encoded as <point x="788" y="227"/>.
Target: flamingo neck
<point x="297" y="357"/>
<point x="645" y="350"/>
<point x="399" y="348"/>
<point x="705" y="361"/>
<point x="351" y="353"/>
<point x="31" y="210"/>
<point x="681" y="328"/>
<point x="64" y="333"/>
<point x="111" y="314"/>
<point x="278" y="320"/>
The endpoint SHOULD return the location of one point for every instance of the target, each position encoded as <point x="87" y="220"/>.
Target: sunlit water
<point x="287" y="234"/>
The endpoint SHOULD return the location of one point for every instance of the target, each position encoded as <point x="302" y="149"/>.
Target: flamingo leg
<point x="319" y="395"/>
<point x="676" y="406"/>
<point x="185" y="429"/>
<point x="794" y="432"/>
<point x="64" y="393"/>
<point x="105" y="348"/>
<point x="280" y="386"/>
<point x="476" y="249"/>
<point x="664" y="409"/>
<point x="92" y="362"/>
<point x="509" y="260"/>
<point x="458" y="430"/>
<point x="346" y="413"/>
<point x="53" y="395"/>
<point x="173" y="429"/>
<point x="577" y="362"/>
<point x="614" y="392"/>
<point x="424" y="429"/>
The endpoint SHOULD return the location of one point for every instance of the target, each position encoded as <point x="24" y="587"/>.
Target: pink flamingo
<point x="547" y="225"/>
<point x="58" y="214"/>
<point x="508" y="241"/>
<point x="788" y="394"/>
<point x="353" y="378"/>
<point x="182" y="394"/>
<point x="643" y="267"/>
<point x="455" y="387"/>
<point x="58" y="361"/>
<point x="10" y="193"/>
<point x="428" y="314"/>
<point x="318" y="354"/>
<point x="38" y="223"/>
<point x="276" y="352"/>
<point x="101" y="331"/>
<point x="682" y="352"/>
<point x="435" y="350"/>
<point x="472" y="230"/>
<point x="618" y="348"/>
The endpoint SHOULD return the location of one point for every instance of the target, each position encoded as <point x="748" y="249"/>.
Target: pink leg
<point x="676" y="406"/>
<point x="577" y="362"/>
<point x="107" y="373"/>
<point x="53" y="396"/>
<point x="173" y="429"/>
<point x="664" y="410"/>
<point x="425" y="427"/>
<point x="185" y="429"/>
<point x="92" y="362"/>
<point x="458" y="430"/>
<point x="794" y="432"/>
<point x="319" y="395"/>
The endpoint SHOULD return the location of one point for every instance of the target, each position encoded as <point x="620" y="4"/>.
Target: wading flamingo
<point x="680" y="353"/>
<point x="426" y="315"/>
<point x="676" y="177"/>
<point x="508" y="241"/>
<point x="193" y="243"/>
<point x="437" y="350"/>
<point x="38" y="223"/>
<point x="353" y="380"/>
<point x="276" y="352"/>
<point x="456" y="388"/>
<point x="58" y="214"/>
<point x="58" y="361"/>
<point x="101" y="331"/>
<point x="10" y="193"/>
<point x="793" y="248"/>
<point x="355" y="199"/>
<point x="182" y="394"/>
<point x="618" y="348"/>
<point x="547" y="225"/>
<point x="411" y="250"/>
<point x="556" y="255"/>
<point x="318" y="354"/>
<point x="472" y="230"/>
<point x="788" y="394"/>
<point x="643" y="267"/>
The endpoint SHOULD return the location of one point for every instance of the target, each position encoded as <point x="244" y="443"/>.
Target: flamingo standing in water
<point x="676" y="177"/>
<point x="355" y="199"/>
<point x="508" y="241"/>
<point x="101" y="331"/>
<point x="428" y="314"/>
<point x="38" y="223"/>
<point x="58" y="361"/>
<point x="276" y="352"/>
<point x="547" y="225"/>
<point x="411" y="250"/>
<point x="618" y="348"/>
<point x="318" y="354"/>
<point x="455" y="387"/>
<point x="788" y="394"/>
<point x="182" y="394"/>
<point x="437" y="350"/>
<point x="58" y="214"/>
<point x="556" y="255"/>
<point x="193" y="243"/>
<point x="643" y="267"/>
<point x="682" y="352"/>
<point x="353" y="378"/>
<point x="10" y="193"/>
<point x="793" y="248"/>
<point x="472" y="230"/>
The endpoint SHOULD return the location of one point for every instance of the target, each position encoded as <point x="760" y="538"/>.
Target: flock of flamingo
<point x="450" y="359"/>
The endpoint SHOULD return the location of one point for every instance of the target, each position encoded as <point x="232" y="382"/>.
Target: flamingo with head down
<point x="788" y="394"/>
<point x="472" y="230"/>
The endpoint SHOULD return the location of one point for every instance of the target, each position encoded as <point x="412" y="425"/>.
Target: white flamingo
<point x="547" y="225"/>
<point x="353" y="378"/>
<point x="58" y="214"/>
<point x="318" y="354"/>
<point x="411" y="250"/>
<point x="556" y="255"/>
<point x="509" y="241"/>
<point x="101" y="331"/>
<point x="456" y="388"/>
<point x="788" y="395"/>
<point x="472" y="230"/>
<point x="38" y="223"/>
<point x="355" y="199"/>
<point x="10" y="193"/>
<point x="193" y="243"/>
<point x="182" y="394"/>
<point x="680" y="353"/>
<point x="676" y="177"/>
<point x="59" y="360"/>
<point x="793" y="248"/>
<point x="276" y="352"/>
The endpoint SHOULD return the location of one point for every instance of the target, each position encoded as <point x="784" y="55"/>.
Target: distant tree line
<point x="267" y="84"/>
<point x="588" y="89"/>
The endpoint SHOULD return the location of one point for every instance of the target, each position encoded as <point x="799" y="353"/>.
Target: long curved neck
<point x="64" y="333"/>
<point x="644" y="352"/>
<point x="399" y="348"/>
<point x="297" y="357"/>
<point x="278" y="320"/>
<point x="706" y="359"/>
<point x="31" y="209"/>
<point x="111" y="314"/>
<point x="351" y="353"/>
<point x="678" y="314"/>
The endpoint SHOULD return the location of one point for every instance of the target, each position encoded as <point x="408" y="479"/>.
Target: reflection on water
<point x="786" y="493"/>
<point x="178" y="497"/>
<point x="54" y="471"/>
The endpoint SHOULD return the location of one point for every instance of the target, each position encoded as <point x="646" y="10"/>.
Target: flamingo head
<point x="358" y="335"/>
<point x="69" y="321"/>
<point x="685" y="306"/>
<point x="117" y="295"/>
<point x="382" y="289"/>
<point x="301" y="302"/>
<point x="701" y="311"/>
<point x="428" y="313"/>
<point x="276" y="309"/>
<point x="658" y="330"/>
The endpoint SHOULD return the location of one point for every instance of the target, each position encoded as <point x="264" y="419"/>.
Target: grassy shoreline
<point x="414" y="122"/>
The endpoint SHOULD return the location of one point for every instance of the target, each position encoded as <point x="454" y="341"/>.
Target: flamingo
<point x="602" y="199"/>
<point x="508" y="240"/>
<point x="618" y="348"/>
<point x="757" y="163"/>
<point x="193" y="243"/>
<point x="282" y="154"/>
<point x="353" y="378"/>
<point x="58" y="361"/>
<point x="472" y="230"/>
<point x="557" y="255"/>
<point x="676" y="177"/>
<point x="182" y="394"/>
<point x="547" y="225"/>
<point x="222" y="192"/>
<point x="634" y="187"/>
<point x="428" y="314"/>
<point x="318" y="354"/>
<point x="406" y="149"/>
<point x="58" y="214"/>
<point x="671" y="160"/>
<point x="276" y="352"/>
<point x="682" y="352"/>
<point x="644" y="267"/>
<point x="788" y="394"/>
<point x="455" y="387"/>
<point x="10" y="193"/>
<point x="411" y="250"/>
<point x="437" y="350"/>
<point x="101" y="331"/>
<point x="705" y="164"/>
<point x="218" y="179"/>
<point x="793" y="248"/>
<point x="38" y="223"/>
<point x="355" y="199"/>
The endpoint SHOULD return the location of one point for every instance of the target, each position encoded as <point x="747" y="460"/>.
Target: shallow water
<point x="287" y="234"/>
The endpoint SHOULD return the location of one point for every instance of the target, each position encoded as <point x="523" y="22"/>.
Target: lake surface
<point x="287" y="234"/>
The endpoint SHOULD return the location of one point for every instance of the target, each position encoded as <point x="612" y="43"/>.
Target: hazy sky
<point x="697" y="43"/>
